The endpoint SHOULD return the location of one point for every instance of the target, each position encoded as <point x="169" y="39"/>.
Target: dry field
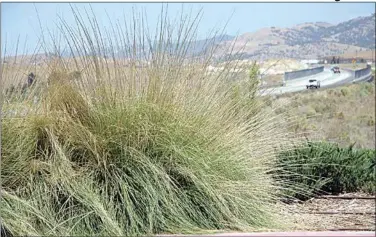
<point x="344" y="115"/>
<point x="272" y="80"/>
<point x="367" y="55"/>
<point x="353" y="66"/>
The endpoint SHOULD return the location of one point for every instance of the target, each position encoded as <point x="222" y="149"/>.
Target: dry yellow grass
<point x="367" y="55"/>
<point x="344" y="115"/>
<point x="353" y="66"/>
<point x="126" y="150"/>
<point x="272" y="80"/>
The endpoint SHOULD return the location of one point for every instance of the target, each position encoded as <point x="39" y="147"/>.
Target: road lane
<point x="326" y="78"/>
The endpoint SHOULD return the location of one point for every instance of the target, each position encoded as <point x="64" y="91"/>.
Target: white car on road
<point x="313" y="83"/>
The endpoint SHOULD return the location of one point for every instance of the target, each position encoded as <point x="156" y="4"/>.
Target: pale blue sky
<point x="19" y="19"/>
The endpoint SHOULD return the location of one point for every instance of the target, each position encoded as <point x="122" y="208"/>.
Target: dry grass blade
<point x="145" y="143"/>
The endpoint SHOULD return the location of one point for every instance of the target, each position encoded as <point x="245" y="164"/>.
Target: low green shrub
<point x="371" y="122"/>
<point x="340" y="115"/>
<point x="345" y="91"/>
<point x="321" y="167"/>
<point x="366" y="89"/>
<point x="322" y="108"/>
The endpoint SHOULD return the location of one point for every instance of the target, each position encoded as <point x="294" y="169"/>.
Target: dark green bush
<point x="321" y="167"/>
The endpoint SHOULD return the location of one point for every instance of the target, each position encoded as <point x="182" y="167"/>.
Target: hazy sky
<point x="20" y="19"/>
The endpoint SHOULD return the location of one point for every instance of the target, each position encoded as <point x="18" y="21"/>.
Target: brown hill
<point x="307" y="40"/>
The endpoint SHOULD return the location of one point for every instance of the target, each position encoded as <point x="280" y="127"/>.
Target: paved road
<point x="327" y="79"/>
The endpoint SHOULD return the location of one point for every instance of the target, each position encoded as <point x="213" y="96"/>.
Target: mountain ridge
<point x="308" y="40"/>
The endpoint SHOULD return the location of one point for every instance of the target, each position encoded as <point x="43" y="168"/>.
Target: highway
<point x="327" y="79"/>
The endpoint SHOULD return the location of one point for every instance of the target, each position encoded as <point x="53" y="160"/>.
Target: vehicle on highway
<point x="336" y="69"/>
<point x="313" y="83"/>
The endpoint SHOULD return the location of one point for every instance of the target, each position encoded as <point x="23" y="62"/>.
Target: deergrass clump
<point x="120" y="149"/>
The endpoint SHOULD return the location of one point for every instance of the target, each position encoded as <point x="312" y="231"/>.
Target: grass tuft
<point x="151" y="144"/>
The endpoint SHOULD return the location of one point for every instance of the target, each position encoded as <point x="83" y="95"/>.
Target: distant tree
<point x="30" y="79"/>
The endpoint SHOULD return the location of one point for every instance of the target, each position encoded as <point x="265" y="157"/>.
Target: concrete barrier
<point x="362" y="72"/>
<point x="303" y="73"/>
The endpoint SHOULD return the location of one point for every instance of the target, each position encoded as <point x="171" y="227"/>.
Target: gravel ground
<point x="307" y="223"/>
<point x="333" y="214"/>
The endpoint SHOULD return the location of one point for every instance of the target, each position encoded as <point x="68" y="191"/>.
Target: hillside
<point x="366" y="55"/>
<point x="359" y="31"/>
<point x="307" y="40"/>
<point x="320" y="112"/>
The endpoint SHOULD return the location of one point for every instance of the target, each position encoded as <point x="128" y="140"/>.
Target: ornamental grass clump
<point x="143" y="140"/>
